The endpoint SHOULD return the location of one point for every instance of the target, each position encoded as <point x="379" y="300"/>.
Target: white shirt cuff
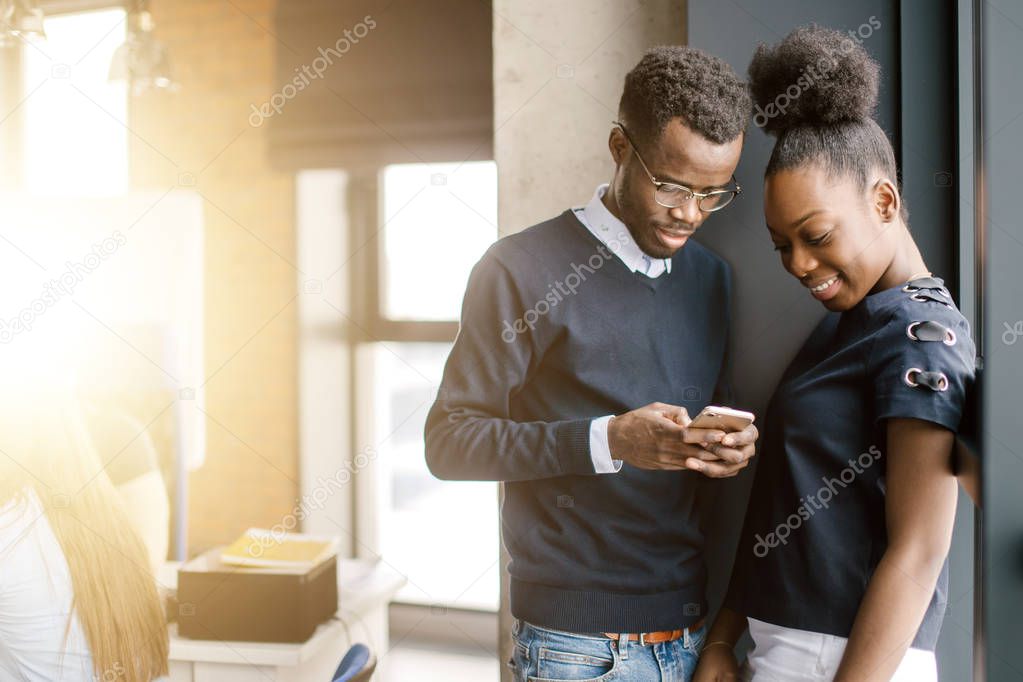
<point x="600" y="449"/>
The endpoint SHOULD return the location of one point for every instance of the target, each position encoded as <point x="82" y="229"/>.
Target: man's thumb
<point x="682" y="418"/>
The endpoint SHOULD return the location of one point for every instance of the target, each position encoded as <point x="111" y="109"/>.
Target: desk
<point x="365" y="589"/>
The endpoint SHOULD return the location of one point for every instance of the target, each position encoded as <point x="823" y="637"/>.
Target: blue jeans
<point x="543" y="655"/>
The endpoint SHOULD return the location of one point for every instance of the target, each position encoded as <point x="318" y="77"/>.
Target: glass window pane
<point x="438" y="220"/>
<point x="443" y="535"/>
<point x="76" y="138"/>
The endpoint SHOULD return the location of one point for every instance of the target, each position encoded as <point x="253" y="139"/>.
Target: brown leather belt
<point x="655" y="637"/>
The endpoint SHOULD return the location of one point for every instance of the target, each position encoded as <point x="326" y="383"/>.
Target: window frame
<point x="365" y="268"/>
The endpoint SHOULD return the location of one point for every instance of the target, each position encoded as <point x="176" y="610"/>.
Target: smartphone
<point x="722" y="419"/>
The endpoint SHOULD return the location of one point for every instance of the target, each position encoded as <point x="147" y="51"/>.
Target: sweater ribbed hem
<point x="592" y="611"/>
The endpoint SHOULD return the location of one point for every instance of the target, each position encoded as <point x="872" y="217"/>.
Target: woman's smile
<point x="825" y="289"/>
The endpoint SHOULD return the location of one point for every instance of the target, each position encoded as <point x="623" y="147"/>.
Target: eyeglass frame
<point x="699" y="196"/>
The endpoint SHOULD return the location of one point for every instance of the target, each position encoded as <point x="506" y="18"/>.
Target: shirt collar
<point x="605" y="227"/>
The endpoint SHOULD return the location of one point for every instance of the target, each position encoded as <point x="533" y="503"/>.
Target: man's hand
<point x="723" y="454"/>
<point x="656" y="437"/>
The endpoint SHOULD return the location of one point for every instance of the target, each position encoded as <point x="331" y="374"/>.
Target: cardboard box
<point x="218" y="601"/>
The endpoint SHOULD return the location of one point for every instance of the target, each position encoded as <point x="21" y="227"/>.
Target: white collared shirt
<point x="607" y="228"/>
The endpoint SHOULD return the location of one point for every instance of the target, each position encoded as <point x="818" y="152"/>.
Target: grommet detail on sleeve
<point x="923" y="283"/>
<point x="929" y="330"/>
<point x="924" y="296"/>
<point x="936" y="381"/>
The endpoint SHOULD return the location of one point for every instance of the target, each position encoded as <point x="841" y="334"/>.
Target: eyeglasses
<point x="671" y="195"/>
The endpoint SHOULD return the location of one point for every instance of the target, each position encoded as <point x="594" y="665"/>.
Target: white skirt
<point x="788" y="655"/>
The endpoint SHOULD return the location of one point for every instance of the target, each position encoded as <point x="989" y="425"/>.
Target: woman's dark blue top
<point x="815" y="525"/>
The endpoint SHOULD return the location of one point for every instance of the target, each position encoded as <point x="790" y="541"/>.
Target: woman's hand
<point x="717" y="664"/>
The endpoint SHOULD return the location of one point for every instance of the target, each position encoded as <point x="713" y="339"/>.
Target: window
<point x="75" y="134"/>
<point x="440" y="215"/>
<point x="442" y="535"/>
<point x="437" y="219"/>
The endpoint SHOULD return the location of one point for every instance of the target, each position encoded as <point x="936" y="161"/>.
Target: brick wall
<point x="199" y="138"/>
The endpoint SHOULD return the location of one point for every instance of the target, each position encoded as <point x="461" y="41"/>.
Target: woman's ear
<point x="886" y="200"/>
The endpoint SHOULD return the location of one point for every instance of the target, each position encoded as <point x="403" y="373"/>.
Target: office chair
<point x="357" y="665"/>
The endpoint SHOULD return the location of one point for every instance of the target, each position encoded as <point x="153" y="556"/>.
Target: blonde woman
<point x="77" y="597"/>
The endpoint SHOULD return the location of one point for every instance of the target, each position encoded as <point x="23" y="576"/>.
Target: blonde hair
<point x="45" y="448"/>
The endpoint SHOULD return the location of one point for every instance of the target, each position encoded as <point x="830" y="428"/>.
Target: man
<point x="592" y="314"/>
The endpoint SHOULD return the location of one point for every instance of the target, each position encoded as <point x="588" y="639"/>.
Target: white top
<point x="35" y="601"/>
<point x="608" y="228"/>
<point x="782" y="653"/>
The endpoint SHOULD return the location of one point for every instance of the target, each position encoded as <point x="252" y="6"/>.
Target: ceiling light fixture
<point x="142" y="60"/>
<point x="20" y="19"/>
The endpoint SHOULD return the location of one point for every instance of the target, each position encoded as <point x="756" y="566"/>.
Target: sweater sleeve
<point x="469" y="432"/>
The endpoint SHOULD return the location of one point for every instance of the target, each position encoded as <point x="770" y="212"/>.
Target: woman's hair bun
<point x="816" y="77"/>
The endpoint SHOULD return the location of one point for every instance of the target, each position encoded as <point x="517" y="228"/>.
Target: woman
<point x="77" y="597"/>
<point x="841" y="567"/>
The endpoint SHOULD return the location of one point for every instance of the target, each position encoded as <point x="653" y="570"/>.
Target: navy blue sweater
<point x="556" y="331"/>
